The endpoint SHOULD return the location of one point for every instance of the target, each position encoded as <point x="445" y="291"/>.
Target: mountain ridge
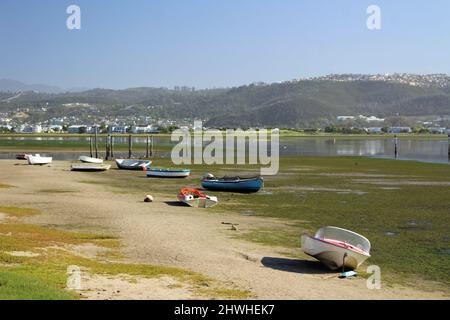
<point x="286" y="104"/>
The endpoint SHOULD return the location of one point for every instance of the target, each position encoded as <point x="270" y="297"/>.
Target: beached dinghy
<point x="234" y="184"/>
<point x="167" y="173"/>
<point x="132" y="164"/>
<point x="90" y="167"/>
<point x="87" y="159"/>
<point x="38" y="160"/>
<point x="337" y="248"/>
<point x="195" y="198"/>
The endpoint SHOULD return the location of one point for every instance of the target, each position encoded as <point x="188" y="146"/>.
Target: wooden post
<point x="111" y="144"/>
<point x="96" y="141"/>
<point x="148" y="147"/>
<point x="151" y="150"/>
<point x="107" y="147"/>
<point x="449" y="146"/>
<point x="90" y="146"/>
<point x="130" y="146"/>
<point x="395" y="146"/>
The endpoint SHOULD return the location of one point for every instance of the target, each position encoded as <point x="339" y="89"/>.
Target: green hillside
<point x="287" y="104"/>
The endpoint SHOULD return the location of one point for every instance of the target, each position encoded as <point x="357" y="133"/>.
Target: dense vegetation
<point x="288" y="104"/>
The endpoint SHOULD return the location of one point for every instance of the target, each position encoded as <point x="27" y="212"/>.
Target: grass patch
<point x="18" y="286"/>
<point x="235" y="294"/>
<point x="24" y="237"/>
<point x="272" y="237"/>
<point x="56" y="191"/>
<point x="19" y="212"/>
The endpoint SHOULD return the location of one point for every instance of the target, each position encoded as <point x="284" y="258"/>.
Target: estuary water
<point x="420" y="149"/>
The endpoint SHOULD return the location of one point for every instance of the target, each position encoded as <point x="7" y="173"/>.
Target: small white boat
<point x="87" y="159"/>
<point x="132" y="164"/>
<point x="90" y="167"/>
<point x="194" y="198"/>
<point x="337" y="248"/>
<point x="38" y="160"/>
<point x="167" y="173"/>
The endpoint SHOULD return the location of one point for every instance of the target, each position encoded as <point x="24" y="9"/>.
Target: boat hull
<point x="161" y="173"/>
<point x="130" y="164"/>
<point x="204" y="202"/>
<point x="89" y="167"/>
<point x="38" y="160"/>
<point x="331" y="255"/>
<point x="233" y="185"/>
<point x="86" y="159"/>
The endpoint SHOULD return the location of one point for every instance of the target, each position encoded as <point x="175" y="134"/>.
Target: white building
<point x="343" y="118"/>
<point x="5" y="127"/>
<point x="144" y="129"/>
<point x="437" y="130"/>
<point x="119" y="129"/>
<point x="29" y="128"/>
<point x="78" y="129"/>
<point x="53" y="128"/>
<point x="374" y="130"/>
<point x="399" y="130"/>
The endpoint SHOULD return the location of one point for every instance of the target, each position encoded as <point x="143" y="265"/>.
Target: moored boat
<point x="234" y="184"/>
<point x="38" y="160"/>
<point x="87" y="159"/>
<point x="132" y="164"/>
<point x="337" y="248"/>
<point x="167" y="173"/>
<point x="195" y="198"/>
<point x="90" y="167"/>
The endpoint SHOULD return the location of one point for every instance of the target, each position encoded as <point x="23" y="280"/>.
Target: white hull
<point x="38" y="160"/>
<point x="90" y="160"/>
<point x="167" y="174"/>
<point x="332" y="255"/>
<point x="130" y="164"/>
<point x="206" y="202"/>
<point x="89" y="167"/>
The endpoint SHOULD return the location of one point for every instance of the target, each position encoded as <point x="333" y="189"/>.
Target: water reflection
<point x="430" y="150"/>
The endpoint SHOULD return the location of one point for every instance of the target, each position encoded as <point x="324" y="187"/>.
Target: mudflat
<point x="163" y="233"/>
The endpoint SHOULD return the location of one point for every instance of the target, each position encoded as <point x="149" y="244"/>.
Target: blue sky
<point x="213" y="43"/>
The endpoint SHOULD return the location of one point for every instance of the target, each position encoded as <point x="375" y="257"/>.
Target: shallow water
<point x="428" y="150"/>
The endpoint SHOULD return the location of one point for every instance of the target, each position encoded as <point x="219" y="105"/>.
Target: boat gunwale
<point x="168" y="170"/>
<point x="364" y="253"/>
<point x="232" y="181"/>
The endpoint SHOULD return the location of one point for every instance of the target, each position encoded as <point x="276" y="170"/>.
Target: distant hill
<point x="287" y="104"/>
<point x="8" y="85"/>
<point x="297" y="104"/>
<point x="16" y="86"/>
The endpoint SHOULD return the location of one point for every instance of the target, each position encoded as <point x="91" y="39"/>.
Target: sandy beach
<point x="164" y="233"/>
